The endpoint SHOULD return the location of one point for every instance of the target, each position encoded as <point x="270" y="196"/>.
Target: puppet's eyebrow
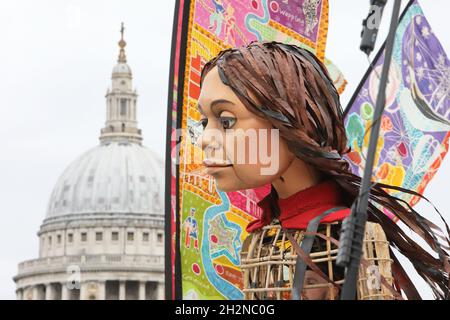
<point x="214" y="103"/>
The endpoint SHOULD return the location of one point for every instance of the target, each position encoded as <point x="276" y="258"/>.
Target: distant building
<point x="103" y="235"/>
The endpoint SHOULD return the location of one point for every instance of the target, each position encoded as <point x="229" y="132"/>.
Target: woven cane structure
<point x="375" y="266"/>
<point x="268" y="264"/>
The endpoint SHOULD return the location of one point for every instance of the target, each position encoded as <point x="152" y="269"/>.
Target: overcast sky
<point x="56" y="59"/>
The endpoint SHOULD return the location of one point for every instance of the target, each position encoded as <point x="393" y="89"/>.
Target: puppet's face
<point x="319" y="293"/>
<point x="241" y="149"/>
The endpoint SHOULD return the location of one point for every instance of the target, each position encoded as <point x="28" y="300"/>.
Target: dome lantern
<point x="121" y="123"/>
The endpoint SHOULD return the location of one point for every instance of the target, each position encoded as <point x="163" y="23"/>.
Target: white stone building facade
<point x="103" y="235"/>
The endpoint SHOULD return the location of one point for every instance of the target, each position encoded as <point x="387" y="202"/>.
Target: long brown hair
<point x="292" y="89"/>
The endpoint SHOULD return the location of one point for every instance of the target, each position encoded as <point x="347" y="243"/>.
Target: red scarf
<point x="298" y="209"/>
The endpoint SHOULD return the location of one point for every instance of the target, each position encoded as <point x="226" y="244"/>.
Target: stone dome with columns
<point x="103" y="235"/>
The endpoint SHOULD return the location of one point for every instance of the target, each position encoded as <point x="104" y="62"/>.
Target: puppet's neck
<point x="296" y="177"/>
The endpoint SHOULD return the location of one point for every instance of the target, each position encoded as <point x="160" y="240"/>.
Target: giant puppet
<point x="218" y="230"/>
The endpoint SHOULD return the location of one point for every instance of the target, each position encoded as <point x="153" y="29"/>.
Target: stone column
<point x="25" y="293"/>
<point x="132" y="109"/>
<point x="19" y="294"/>
<point x="83" y="290"/>
<point x="64" y="291"/>
<point x="122" y="293"/>
<point x="32" y="293"/>
<point x="49" y="291"/>
<point x="142" y="290"/>
<point x="36" y="292"/>
<point x="102" y="290"/>
<point x="160" y="291"/>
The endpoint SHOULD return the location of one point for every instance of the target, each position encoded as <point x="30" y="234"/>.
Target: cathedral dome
<point x="112" y="178"/>
<point x="105" y="216"/>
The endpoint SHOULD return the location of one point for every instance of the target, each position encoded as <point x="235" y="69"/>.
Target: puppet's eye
<point x="227" y="122"/>
<point x="203" y="122"/>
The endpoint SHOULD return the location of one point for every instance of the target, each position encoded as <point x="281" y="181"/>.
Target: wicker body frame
<point x="268" y="263"/>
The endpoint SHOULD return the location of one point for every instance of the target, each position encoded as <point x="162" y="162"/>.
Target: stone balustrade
<point x="103" y="261"/>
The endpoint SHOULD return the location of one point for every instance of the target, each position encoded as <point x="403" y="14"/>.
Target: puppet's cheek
<point x="252" y="171"/>
<point x="255" y="175"/>
<point x="268" y="164"/>
<point x="316" y="293"/>
<point x="238" y="177"/>
<point x="226" y="179"/>
<point x="260" y="151"/>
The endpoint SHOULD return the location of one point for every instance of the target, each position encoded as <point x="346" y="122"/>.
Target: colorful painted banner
<point x="414" y="134"/>
<point x="207" y="227"/>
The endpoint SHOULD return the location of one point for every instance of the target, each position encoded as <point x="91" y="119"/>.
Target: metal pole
<point x="352" y="233"/>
